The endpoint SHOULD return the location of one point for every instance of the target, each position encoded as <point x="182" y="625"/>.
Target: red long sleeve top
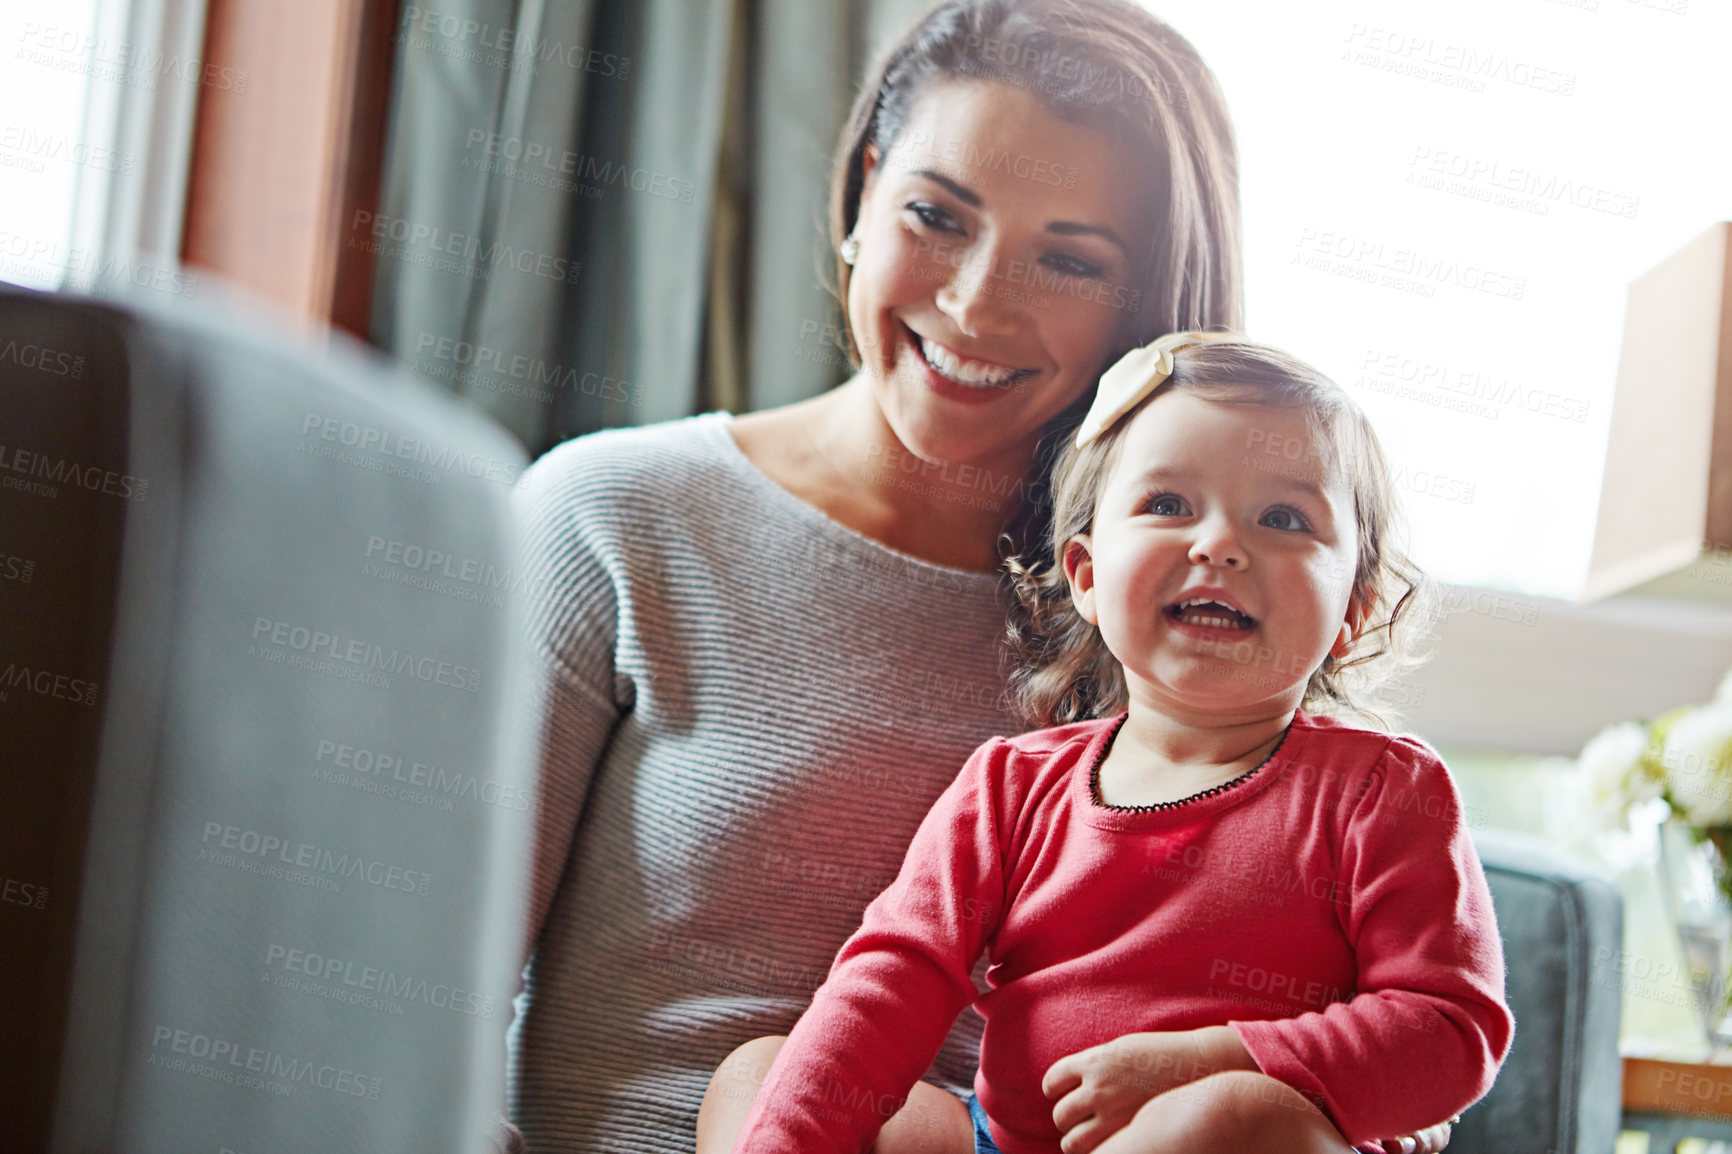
<point x="1329" y="907"/>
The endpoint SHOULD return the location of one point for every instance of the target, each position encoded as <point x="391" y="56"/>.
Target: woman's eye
<point x="1167" y="505"/>
<point x="1072" y="266"/>
<point x="932" y="216"/>
<point x="1282" y="517"/>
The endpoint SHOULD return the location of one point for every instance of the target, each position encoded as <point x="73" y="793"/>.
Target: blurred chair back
<point x="263" y="846"/>
<point x="1560" y="1089"/>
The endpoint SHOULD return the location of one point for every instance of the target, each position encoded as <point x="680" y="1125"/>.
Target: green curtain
<point x="599" y="214"/>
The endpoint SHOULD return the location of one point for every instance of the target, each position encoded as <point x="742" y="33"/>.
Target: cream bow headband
<point x="1135" y="376"/>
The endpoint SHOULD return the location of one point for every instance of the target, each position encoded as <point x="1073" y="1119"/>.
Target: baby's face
<point x="1220" y="566"/>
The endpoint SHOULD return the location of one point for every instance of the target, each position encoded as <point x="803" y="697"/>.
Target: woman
<point x="763" y="631"/>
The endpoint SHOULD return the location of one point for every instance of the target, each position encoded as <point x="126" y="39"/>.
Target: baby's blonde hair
<point x="1065" y="670"/>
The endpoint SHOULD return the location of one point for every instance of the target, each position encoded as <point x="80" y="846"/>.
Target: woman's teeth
<point x="974" y="374"/>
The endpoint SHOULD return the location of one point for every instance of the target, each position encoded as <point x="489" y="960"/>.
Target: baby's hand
<point x="1101" y="1088"/>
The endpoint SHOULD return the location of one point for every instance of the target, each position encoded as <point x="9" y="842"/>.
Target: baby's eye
<point x="1281" y="517"/>
<point x="1167" y="505"/>
<point x="932" y="216"/>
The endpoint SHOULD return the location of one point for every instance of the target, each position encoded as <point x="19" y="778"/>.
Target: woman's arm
<point x="572" y="625"/>
<point x="897" y="984"/>
<point x="574" y="597"/>
<point x="574" y="729"/>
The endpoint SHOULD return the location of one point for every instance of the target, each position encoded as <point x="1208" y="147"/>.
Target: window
<point x="1444" y="204"/>
<point x="98" y="97"/>
<point x="51" y="60"/>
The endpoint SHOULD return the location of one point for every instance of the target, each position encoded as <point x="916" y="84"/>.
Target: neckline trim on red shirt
<point x="1204" y="803"/>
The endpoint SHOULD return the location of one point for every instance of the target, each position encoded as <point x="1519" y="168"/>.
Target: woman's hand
<point x="1099" y="1090"/>
<point x="1430" y="1140"/>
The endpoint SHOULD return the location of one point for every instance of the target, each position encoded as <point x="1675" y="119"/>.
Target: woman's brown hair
<point x="1105" y="63"/>
<point x="1065" y="671"/>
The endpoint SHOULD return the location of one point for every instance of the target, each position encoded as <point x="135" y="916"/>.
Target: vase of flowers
<point x="1680" y="764"/>
<point x="1693" y="878"/>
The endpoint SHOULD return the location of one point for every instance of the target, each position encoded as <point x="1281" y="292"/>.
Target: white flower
<point x="1724" y="692"/>
<point x="1612" y="761"/>
<point x="1698" y="760"/>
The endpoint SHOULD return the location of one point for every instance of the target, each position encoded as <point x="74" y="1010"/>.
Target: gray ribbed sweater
<point x="752" y="707"/>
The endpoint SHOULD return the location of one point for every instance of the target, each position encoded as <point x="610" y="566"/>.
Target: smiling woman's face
<point x="994" y="271"/>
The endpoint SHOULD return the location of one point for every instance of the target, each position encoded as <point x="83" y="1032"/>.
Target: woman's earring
<point x="850" y="250"/>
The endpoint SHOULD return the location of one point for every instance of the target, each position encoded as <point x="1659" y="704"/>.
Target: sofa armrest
<point x="1560" y="1089"/>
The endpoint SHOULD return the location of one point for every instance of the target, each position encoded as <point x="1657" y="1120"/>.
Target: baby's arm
<point x="1098" y="1090"/>
<point x="1423" y="1037"/>
<point x="878" y="1020"/>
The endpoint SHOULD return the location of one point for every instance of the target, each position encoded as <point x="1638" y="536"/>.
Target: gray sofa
<point x="265" y="834"/>
<point x="1559" y="1091"/>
